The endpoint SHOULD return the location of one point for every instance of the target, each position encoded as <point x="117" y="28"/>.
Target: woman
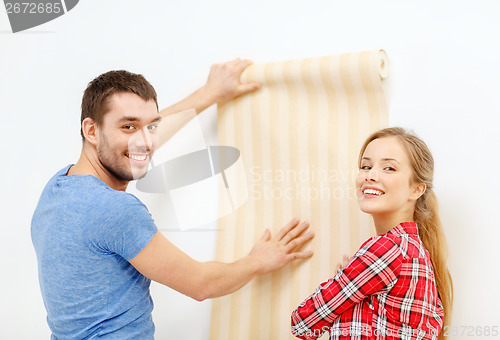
<point x="397" y="285"/>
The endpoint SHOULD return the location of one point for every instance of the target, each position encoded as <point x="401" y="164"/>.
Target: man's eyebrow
<point x="135" y="119"/>
<point x="128" y="119"/>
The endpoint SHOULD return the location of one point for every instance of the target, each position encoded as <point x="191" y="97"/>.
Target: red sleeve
<point x="374" y="267"/>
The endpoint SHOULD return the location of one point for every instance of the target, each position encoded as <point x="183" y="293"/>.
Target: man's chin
<point x="139" y="173"/>
<point x="136" y="178"/>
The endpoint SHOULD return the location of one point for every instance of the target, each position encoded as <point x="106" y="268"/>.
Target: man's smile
<point x="138" y="157"/>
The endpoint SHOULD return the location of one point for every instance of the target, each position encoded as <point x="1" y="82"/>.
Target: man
<point x="98" y="247"/>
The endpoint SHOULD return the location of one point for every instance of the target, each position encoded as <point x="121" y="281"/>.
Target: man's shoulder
<point x="88" y="191"/>
<point x="101" y="196"/>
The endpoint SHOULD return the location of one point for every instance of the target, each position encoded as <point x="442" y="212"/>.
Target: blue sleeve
<point x="124" y="226"/>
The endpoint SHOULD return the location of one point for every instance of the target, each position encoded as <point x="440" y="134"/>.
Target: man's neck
<point x="89" y="164"/>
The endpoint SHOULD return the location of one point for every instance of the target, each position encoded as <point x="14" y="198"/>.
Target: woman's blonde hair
<point x="426" y="213"/>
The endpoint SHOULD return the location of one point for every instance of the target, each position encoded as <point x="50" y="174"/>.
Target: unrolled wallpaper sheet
<point x="299" y="138"/>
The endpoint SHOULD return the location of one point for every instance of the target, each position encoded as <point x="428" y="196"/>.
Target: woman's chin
<point x="367" y="209"/>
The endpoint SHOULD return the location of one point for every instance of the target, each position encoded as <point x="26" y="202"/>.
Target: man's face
<point x="126" y="138"/>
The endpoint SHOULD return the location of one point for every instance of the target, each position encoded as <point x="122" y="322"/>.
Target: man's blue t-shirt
<point x="84" y="233"/>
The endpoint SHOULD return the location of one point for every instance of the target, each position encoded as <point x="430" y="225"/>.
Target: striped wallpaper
<point x="299" y="138"/>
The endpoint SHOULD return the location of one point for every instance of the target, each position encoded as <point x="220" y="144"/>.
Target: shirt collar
<point x="404" y="228"/>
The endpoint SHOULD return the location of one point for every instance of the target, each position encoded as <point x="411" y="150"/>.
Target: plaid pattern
<point x="386" y="291"/>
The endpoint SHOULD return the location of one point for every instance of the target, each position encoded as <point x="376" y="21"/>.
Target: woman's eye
<point x="365" y="167"/>
<point x="152" y="128"/>
<point x="128" y="127"/>
<point x="389" y="168"/>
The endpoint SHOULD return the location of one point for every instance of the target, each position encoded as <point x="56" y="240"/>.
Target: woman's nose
<point x="371" y="175"/>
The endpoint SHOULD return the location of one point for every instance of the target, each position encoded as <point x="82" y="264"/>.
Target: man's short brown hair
<point x="97" y="95"/>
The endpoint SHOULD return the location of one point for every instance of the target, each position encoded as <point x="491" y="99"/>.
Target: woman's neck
<point x="384" y="223"/>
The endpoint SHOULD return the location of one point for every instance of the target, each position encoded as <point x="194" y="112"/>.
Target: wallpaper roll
<point x="299" y="138"/>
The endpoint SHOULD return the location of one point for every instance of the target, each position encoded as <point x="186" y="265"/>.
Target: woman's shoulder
<point x="379" y="244"/>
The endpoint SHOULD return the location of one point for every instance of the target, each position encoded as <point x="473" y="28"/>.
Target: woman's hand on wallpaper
<point x="272" y="253"/>
<point x="345" y="261"/>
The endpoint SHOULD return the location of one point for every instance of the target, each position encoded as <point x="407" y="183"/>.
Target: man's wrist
<point x="253" y="264"/>
<point x="206" y="97"/>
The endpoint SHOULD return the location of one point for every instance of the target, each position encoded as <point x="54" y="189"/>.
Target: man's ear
<point x="89" y="129"/>
<point x="418" y="190"/>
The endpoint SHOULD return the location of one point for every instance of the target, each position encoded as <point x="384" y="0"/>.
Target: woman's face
<point x="384" y="185"/>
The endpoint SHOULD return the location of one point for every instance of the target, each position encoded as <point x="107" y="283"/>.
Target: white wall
<point x="444" y="83"/>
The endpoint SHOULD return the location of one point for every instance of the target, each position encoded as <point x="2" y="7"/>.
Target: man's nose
<point x="142" y="139"/>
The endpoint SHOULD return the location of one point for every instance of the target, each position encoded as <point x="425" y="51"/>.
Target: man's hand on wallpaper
<point x="223" y="83"/>
<point x="272" y="253"/>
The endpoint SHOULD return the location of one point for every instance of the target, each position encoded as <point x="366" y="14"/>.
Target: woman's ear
<point x="89" y="129"/>
<point x="418" y="190"/>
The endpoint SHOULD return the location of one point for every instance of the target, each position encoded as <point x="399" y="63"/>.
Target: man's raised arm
<point x="223" y="84"/>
